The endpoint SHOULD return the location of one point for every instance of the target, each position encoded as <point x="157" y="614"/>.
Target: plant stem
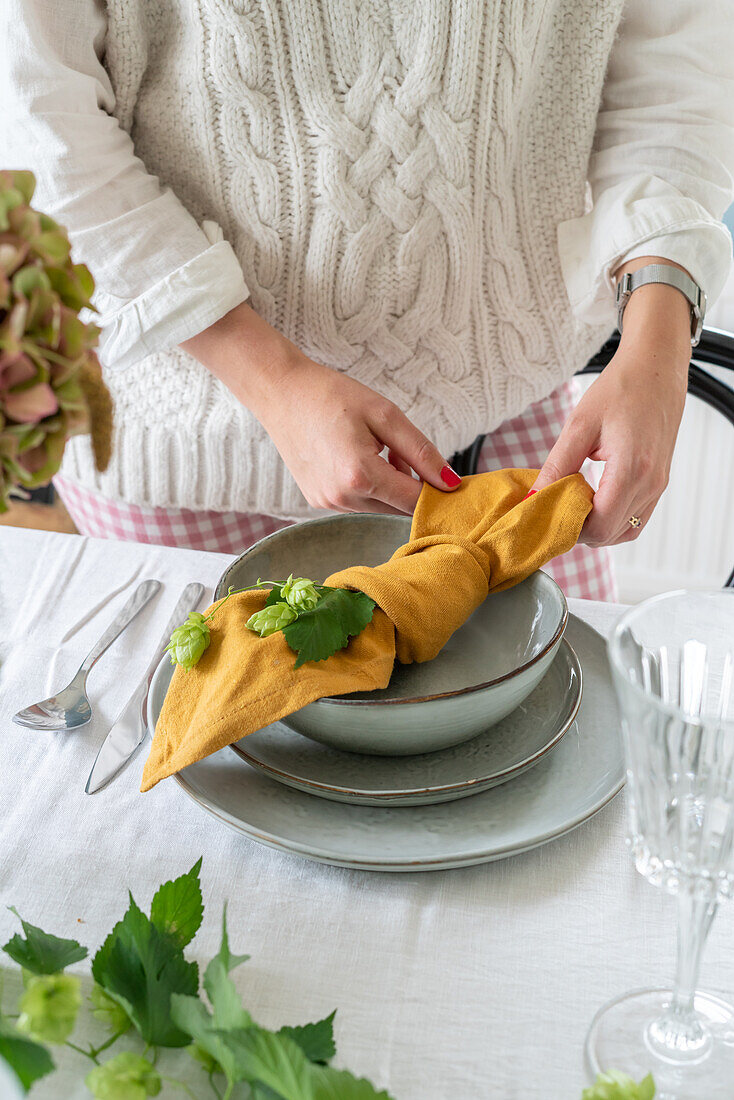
<point x="228" y="1093"/>
<point x="94" y="1051"/>
<point x="230" y="592"/>
<point x="215" y="1090"/>
<point x="87" y="1053"/>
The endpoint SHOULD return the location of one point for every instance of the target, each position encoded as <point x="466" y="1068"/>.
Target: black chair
<point x="716" y="349"/>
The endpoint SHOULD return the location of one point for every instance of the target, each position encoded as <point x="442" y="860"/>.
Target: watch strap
<point x="671" y="276"/>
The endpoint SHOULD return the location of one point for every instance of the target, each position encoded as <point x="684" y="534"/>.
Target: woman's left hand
<point x="629" y="417"/>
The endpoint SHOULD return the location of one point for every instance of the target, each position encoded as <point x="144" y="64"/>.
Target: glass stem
<point x="679" y="1035"/>
<point x="695" y="916"/>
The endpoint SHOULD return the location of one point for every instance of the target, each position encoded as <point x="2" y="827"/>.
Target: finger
<point x="375" y="507"/>
<point x="567" y="455"/>
<point x="373" y="485"/>
<point x="629" y="533"/>
<point x="393" y="428"/>
<point x="399" y="490"/>
<point x="349" y="503"/>
<point x="400" y="464"/>
<point x="613" y="505"/>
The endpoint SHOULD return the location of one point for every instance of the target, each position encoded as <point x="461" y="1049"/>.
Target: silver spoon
<point x="71" y="708"/>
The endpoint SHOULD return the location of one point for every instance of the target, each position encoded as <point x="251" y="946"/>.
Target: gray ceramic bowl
<point x="486" y="669"/>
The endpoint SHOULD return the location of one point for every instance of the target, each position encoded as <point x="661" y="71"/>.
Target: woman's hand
<point x="330" y="430"/>
<point x="629" y="417"/>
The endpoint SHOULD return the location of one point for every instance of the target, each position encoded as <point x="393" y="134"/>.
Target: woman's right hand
<point x="330" y="430"/>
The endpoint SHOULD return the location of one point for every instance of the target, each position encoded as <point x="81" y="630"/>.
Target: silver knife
<point x="128" y="732"/>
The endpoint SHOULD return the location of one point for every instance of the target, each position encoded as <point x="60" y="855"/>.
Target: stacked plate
<point x="503" y="742"/>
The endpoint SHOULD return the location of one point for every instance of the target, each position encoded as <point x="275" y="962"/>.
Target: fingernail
<point x="450" y="477"/>
<point x="532" y="491"/>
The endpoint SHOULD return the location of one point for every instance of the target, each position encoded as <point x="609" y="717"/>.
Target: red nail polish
<point x="450" y="477"/>
<point x="531" y="493"/>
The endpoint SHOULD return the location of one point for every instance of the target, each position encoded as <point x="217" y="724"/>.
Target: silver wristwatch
<point x="663" y="273"/>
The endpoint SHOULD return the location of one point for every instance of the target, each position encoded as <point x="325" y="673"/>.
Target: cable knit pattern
<point x="390" y="176"/>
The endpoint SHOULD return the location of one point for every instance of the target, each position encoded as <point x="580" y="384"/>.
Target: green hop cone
<point x="127" y="1076"/>
<point x="108" y="1011"/>
<point x="300" y="593"/>
<point x="189" y="641"/>
<point x="619" y="1086"/>
<point x="271" y="619"/>
<point x="49" y="1007"/>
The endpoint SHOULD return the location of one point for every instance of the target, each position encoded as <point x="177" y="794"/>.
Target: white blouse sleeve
<point x="160" y="277"/>
<point x="661" y="167"/>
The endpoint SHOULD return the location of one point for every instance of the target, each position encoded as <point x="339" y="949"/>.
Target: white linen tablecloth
<point x="468" y="984"/>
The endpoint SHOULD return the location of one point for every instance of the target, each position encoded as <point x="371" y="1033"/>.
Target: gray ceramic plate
<point x="503" y="752"/>
<point x="485" y="670"/>
<point x="581" y="775"/>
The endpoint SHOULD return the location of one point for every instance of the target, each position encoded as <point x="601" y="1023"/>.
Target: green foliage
<point x="47" y="361"/>
<point x="340" y="1084"/>
<point x="338" y="616"/>
<point x="127" y="1076"/>
<point x="49" y="1007"/>
<point x="315" y="1040"/>
<point x="27" y="1059"/>
<point x="316" y="621"/>
<point x="177" y="908"/>
<point x="287" y="1065"/>
<point x="619" y="1086"/>
<point x="220" y="989"/>
<point x="41" y="953"/>
<point x="140" y="967"/>
<point x="143" y="978"/>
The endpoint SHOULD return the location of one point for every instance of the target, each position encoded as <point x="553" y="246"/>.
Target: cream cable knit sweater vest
<point x="391" y="174"/>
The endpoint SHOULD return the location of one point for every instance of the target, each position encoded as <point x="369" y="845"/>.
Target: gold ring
<point x="635" y="521"/>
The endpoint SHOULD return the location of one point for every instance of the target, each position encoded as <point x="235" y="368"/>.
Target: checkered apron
<point x="524" y="441"/>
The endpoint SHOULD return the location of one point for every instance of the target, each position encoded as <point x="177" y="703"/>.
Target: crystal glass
<point x="672" y="661"/>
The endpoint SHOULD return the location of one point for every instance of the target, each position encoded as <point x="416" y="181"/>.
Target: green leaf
<point x="28" y="279"/>
<point x="272" y="1060"/>
<point x="177" y="907"/>
<point x="315" y="1040"/>
<point x="338" y="616"/>
<point x="140" y="967"/>
<point x="339" y="1084"/>
<point x="619" y="1086"/>
<point x="274" y="596"/>
<point x="84" y="279"/>
<point x="27" y="1059"/>
<point x="191" y="1016"/>
<point x="25" y="182"/>
<point x="221" y="990"/>
<point x="40" y="952"/>
<point x="52" y="246"/>
<point x="68" y="287"/>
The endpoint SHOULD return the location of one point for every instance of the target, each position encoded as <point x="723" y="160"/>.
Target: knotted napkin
<point x="485" y="536"/>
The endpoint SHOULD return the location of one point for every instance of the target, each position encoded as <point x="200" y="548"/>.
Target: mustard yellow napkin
<point x="481" y="538"/>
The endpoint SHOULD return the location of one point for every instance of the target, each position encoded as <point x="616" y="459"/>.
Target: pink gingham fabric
<point x="524" y="441"/>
